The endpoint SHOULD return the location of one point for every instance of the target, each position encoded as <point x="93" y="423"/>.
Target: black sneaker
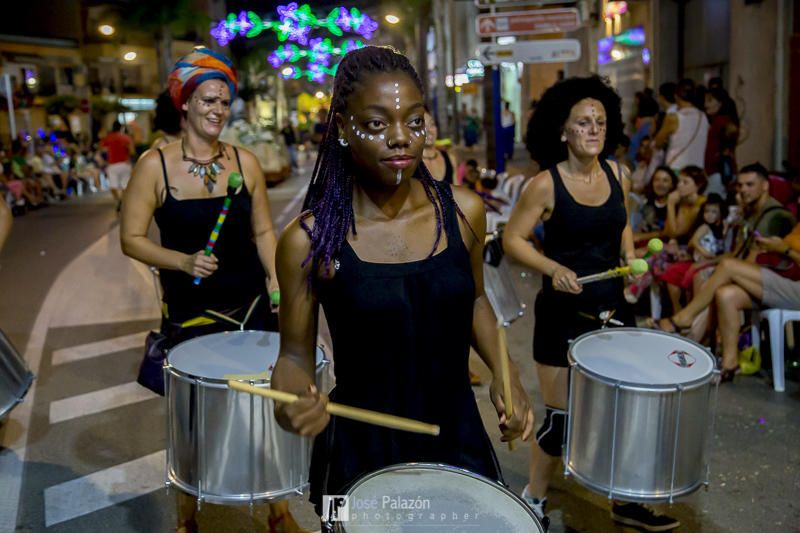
<point x="639" y="516"/>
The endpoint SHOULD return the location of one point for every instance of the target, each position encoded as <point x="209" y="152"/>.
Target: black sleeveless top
<point x="587" y="240"/>
<point x="401" y="336"/>
<point x="448" y="168"/>
<point x="185" y="226"/>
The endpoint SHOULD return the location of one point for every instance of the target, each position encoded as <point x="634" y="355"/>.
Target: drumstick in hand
<point x="345" y="411"/>
<point x="234" y="182"/>
<point x="637" y="266"/>
<point x="505" y="373"/>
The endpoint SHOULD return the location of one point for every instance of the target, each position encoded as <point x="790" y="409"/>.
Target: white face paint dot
<point x="382" y="136"/>
<point x="397" y="107"/>
<point x="363" y="136"/>
<point x="371" y="137"/>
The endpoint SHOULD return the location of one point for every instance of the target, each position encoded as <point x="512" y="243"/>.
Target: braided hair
<point x="330" y="195"/>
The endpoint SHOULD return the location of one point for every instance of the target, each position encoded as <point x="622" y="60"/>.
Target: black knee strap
<point x="551" y="433"/>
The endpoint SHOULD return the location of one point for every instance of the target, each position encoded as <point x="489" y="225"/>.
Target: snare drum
<point x="225" y="446"/>
<point x="15" y="378"/>
<point x="640" y="414"/>
<point x="430" y="497"/>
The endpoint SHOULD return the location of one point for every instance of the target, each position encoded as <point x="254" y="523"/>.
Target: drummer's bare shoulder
<point x="294" y="243"/>
<point x="538" y="192"/>
<point x="474" y="211"/>
<point x="147" y="173"/>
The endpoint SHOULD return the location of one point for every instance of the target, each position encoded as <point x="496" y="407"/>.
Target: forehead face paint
<point x="585" y="128"/>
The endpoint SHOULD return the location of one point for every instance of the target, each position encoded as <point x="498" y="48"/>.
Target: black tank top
<point x="401" y="336"/>
<point x="185" y="226"/>
<point x="586" y="239"/>
<point x="448" y="168"/>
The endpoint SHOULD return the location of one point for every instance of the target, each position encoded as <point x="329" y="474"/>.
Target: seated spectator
<point x="684" y="204"/>
<point x="653" y="214"/>
<point x="706" y="244"/>
<point x="734" y="285"/>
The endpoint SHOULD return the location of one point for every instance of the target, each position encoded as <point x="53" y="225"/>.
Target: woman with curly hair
<point x="581" y="200"/>
<point x="395" y="258"/>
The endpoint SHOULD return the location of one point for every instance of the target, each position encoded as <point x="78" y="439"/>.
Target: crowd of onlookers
<point x="54" y="167"/>
<point x="689" y="191"/>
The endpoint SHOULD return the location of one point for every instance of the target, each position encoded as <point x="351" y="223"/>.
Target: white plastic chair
<point x="777" y="319"/>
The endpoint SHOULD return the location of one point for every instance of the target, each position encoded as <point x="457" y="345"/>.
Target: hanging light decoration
<point x="295" y="24"/>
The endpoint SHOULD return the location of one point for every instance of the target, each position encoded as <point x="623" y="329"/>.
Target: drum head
<point x="641" y="357"/>
<point x="232" y="352"/>
<point x="428" y="497"/>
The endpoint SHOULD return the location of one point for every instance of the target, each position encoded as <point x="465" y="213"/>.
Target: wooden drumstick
<point x="506" y="375"/>
<point x="345" y="411"/>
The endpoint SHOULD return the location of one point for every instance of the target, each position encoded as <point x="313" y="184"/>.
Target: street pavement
<point x="85" y="450"/>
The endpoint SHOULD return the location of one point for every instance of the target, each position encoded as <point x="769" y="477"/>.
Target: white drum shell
<point x="634" y="441"/>
<point x="225" y="446"/>
<point x="450" y="491"/>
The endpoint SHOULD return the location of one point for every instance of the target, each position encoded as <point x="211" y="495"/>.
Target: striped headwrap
<point x="193" y="69"/>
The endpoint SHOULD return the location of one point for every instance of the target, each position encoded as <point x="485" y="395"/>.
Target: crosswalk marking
<point x="120" y="483"/>
<point x="98" y="401"/>
<point x="93" y="349"/>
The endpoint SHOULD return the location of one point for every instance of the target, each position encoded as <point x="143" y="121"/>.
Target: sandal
<point x="726" y="374"/>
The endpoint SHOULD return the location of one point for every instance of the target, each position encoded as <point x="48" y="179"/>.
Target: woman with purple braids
<point x="395" y="259"/>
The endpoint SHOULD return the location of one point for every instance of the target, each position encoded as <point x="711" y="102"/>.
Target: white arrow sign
<point x="487" y="25"/>
<point x="543" y="51"/>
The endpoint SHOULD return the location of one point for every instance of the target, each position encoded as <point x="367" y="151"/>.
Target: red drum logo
<point x="682" y="359"/>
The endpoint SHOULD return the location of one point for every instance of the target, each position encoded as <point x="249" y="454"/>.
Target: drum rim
<point x="222" y="382"/>
<point x="640" y="497"/>
<point x="240" y="499"/>
<point x="632" y="385"/>
<point x="447" y="468"/>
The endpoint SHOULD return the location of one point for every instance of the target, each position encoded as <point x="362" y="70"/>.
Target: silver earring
<point x="343" y="142"/>
<point x="563" y="138"/>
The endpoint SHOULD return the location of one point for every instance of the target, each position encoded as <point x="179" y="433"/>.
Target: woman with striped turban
<point x="183" y="186"/>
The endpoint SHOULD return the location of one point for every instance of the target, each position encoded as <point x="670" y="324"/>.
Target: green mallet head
<point x="655" y="246"/>
<point x="638" y="266"/>
<point x="234" y="180"/>
<point x="275" y="297"/>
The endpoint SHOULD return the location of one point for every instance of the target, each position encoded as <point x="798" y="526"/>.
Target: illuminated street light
<point x="130" y="56"/>
<point x="392" y="19"/>
<point x="106" y="29"/>
<point x="320" y="95"/>
<point x="287" y="71"/>
<point x="31" y="82"/>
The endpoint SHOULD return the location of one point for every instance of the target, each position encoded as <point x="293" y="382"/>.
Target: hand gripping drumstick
<point x="504" y="372"/>
<point x="345" y="411"/>
<point x="637" y="266"/>
<point x="234" y="182"/>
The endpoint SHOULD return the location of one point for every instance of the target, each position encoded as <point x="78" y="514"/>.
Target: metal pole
<point x="12" y="120"/>
<point x="451" y="12"/>
<point x="500" y="157"/>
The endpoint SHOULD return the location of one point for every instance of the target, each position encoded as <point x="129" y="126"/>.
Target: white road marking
<point x="98" y="401"/>
<point x="288" y="211"/>
<point x="120" y="483"/>
<point x="93" y="349"/>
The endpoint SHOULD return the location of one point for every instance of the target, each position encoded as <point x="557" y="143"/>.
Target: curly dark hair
<point x="168" y="117"/>
<point x="547" y="124"/>
<point x="330" y="195"/>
